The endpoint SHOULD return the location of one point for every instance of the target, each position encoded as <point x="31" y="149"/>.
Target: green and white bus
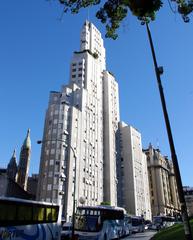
<point x="98" y="222"/>
<point x="28" y="220"/>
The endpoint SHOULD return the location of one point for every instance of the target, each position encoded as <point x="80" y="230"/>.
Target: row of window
<point x="74" y="64"/>
<point x="79" y="75"/>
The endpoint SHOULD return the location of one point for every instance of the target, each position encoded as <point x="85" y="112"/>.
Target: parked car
<point x="148" y="224"/>
<point x="66" y="232"/>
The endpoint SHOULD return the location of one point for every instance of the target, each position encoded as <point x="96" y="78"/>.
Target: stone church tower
<point x="24" y="160"/>
<point x="12" y="167"/>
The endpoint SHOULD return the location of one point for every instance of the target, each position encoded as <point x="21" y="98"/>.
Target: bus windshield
<point x="91" y="219"/>
<point x="87" y="223"/>
<point x="136" y="221"/>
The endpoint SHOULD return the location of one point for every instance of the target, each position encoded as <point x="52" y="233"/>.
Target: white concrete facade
<point x="133" y="178"/>
<point x="74" y="123"/>
<point x="111" y="119"/>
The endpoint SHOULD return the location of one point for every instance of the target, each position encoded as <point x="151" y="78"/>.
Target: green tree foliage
<point x="112" y="12"/>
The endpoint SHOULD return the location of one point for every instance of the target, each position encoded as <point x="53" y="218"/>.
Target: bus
<point x="28" y="220"/>
<point x="138" y="224"/>
<point x="163" y="221"/>
<point x="98" y="222"/>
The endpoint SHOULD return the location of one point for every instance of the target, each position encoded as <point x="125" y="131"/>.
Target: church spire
<point x="27" y="141"/>
<point x="12" y="167"/>
<point x="24" y="160"/>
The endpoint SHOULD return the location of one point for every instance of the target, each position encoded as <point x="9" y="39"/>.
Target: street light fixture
<point x="74" y="190"/>
<point x="159" y="71"/>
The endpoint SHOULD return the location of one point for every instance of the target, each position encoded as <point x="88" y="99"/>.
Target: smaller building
<point x="32" y="184"/>
<point x="9" y="188"/>
<point x="133" y="183"/>
<point x="188" y="193"/>
<point x="3" y="171"/>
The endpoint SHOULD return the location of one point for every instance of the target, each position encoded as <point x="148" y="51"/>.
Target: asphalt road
<point x="141" y="236"/>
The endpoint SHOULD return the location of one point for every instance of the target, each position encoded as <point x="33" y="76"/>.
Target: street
<point x="143" y="236"/>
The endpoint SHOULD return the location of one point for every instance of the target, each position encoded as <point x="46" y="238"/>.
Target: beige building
<point x="188" y="193"/>
<point x="163" y="190"/>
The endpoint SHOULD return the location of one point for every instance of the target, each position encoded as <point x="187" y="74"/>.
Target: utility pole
<point x="159" y="71"/>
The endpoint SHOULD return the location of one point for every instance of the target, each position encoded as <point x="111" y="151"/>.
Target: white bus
<point x="98" y="222"/>
<point x="163" y="221"/>
<point x="28" y="220"/>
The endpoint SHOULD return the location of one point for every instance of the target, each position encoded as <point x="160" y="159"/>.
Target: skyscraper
<point x="82" y="118"/>
<point x="24" y="159"/>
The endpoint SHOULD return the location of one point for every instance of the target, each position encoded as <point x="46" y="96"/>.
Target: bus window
<point x="54" y="214"/>
<point x="10" y="212"/>
<point x="3" y="211"/>
<point x="91" y="212"/>
<point x="24" y="213"/>
<point x="38" y="214"/>
<point x="49" y="214"/>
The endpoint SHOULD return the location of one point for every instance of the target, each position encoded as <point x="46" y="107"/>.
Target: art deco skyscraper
<point x="24" y="160"/>
<point x="78" y="120"/>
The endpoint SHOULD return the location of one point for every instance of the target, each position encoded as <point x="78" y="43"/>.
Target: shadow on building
<point x="9" y="188"/>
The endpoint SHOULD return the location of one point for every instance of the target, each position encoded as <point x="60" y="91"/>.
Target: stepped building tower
<point x="79" y="132"/>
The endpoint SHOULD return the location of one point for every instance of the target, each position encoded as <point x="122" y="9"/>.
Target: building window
<point x="49" y="187"/>
<point x="51" y="162"/>
<point x="54" y="131"/>
<point x="55" y="180"/>
<point x="74" y="75"/>
<point x="55" y="121"/>
<point x="54" y="194"/>
<point x="52" y="151"/>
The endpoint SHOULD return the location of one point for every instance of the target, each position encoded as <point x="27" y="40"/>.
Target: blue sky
<point x="36" y="48"/>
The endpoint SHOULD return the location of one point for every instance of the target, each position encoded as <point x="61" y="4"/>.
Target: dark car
<point x="66" y="232"/>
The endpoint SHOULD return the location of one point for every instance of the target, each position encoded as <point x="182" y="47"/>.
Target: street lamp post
<point x="159" y="71"/>
<point x="74" y="190"/>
